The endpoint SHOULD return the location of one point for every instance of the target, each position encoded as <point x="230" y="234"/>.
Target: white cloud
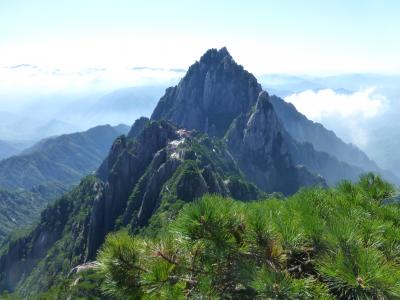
<point x="325" y="103"/>
<point x="24" y="84"/>
<point x="28" y="78"/>
<point x="347" y="114"/>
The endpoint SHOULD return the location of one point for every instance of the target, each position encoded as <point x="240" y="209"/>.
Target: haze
<point x="337" y="62"/>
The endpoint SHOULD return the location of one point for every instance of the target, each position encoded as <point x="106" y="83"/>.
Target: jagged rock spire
<point x="215" y="56"/>
<point x="212" y="94"/>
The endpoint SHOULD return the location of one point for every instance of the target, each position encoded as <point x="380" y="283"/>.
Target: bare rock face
<point x="256" y="141"/>
<point x="138" y="127"/>
<point x="212" y="94"/>
<point x="126" y="163"/>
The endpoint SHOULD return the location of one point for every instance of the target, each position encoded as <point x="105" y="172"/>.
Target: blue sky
<point x="296" y="37"/>
<point x="73" y="48"/>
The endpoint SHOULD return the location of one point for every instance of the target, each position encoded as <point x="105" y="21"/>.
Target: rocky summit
<point x="213" y="93"/>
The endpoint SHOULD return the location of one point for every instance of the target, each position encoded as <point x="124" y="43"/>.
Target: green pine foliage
<point x="339" y="243"/>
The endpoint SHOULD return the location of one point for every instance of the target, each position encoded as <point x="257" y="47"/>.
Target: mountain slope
<point x="257" y="142"/>
<point x="304" y="130"/>
<point x="64" y="159"/>
<point x="7" y="150"/>
<point x="28" y="182"/>
<point x="20" y="208"/>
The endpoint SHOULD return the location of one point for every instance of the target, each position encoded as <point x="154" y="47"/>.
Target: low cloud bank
<point x="32" y="78"/>
<point x="317" y="105"/>
<point x="345" y="113"/>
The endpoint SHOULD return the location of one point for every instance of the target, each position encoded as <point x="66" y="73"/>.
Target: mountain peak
<point x="214" y="91"/>
<point x="263" y="101"/>
<point x="214" y="55"/>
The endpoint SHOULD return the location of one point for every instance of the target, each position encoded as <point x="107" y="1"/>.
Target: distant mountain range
<point x="32" y="179"/>
<point x="64" y="159"/>
<point x="56" y="115"/>
<point x="24" y="129"/>
<point x="217" y="131"/>
<point x="21" y="208"/>
<point x="324" y="140"/>
<point x="283" y="84"/>
<point x="7" y="150"/>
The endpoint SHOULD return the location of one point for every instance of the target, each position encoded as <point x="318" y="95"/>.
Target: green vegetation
<point x="340" y="243"/>
<point x="67" y="215"/>
<point x="32" y="180"/>
<point x="20" y="208"/>
<point x="82" y="286"/>
<point x="64" y="159"/>
<point x="58" y="222"/>
<point x="85" y="286"/>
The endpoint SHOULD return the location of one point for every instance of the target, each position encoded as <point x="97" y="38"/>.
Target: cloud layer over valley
<point x="347" y="113"/>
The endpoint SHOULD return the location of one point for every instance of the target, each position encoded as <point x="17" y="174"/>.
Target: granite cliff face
<point x="126" y="163"/>
<point x="257" y="142"/>
<point x="138" y="127"/>
<point x="212" y="94"/>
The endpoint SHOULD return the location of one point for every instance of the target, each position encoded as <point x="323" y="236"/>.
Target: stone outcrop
<point x="138" y="127"/>
<point x="126" y="163"/>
